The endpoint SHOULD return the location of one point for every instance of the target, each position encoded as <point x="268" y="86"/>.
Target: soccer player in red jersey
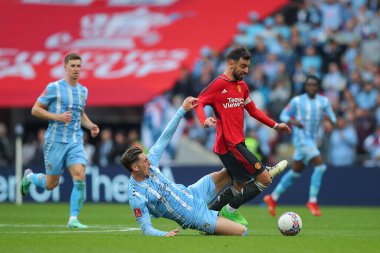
<point x="228" y="95"/>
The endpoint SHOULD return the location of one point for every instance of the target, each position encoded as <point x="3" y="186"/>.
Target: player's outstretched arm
<point x="138" y="205"/>
<point x="163" y="141"/>
<point x="190" y="103"/>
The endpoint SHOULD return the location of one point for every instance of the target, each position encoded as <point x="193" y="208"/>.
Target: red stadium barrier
<point x="130" y="53"/>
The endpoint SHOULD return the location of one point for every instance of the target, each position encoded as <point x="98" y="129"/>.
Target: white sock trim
<point x="230" y="209"/>
<point x="313" y="199"/>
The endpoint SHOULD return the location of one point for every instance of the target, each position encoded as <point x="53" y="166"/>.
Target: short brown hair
<point x="237" y="53"/>
<point x="72" y="56"/>
<point x="130" y="156"/>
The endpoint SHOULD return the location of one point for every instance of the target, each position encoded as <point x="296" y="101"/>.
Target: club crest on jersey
<point x="137" y="212"/>
<point x="233" y="102"/>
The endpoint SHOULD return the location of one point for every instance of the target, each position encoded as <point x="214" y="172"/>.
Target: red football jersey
<point x="228" y="99"/>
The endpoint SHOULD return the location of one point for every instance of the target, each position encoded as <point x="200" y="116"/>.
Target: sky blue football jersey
<point x="60" y="97"/>
<point x="310" y="113"/>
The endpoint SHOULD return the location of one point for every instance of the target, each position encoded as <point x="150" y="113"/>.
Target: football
<point x="289" y="224"/>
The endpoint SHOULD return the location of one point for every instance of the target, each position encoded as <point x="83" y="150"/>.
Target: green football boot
<point x="25" y="184"/>
<point x="235" y="216"/>
<point x="76" y="224"/>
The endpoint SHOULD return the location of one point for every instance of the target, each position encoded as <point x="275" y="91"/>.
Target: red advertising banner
<point x="130" y="52"/>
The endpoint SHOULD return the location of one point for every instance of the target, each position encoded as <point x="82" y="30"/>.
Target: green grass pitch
<point x="42" y="228"/>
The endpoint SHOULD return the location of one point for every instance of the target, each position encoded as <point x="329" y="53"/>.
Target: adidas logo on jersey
<point x="224" y="91"/>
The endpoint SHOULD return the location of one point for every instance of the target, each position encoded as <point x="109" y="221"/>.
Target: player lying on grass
<point x="150" y="193"/>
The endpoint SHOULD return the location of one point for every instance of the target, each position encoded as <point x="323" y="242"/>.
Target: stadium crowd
<point x="338" y="41"/>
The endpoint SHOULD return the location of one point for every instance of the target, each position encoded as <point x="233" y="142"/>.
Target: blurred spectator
<point x="377" y="111"/>
<point x="288" y="57"/>
<point x="299" y="77"/>
<point x="364" y="125"/>
<point x="351" y="57"/>
<point x="364" y="16"/>
<point x="203" y="80"/>
<point x="349" y="34"/>
<point x="254" y="28"/>
<point x="317" y="35"/>
<point x="151" y="125"/>
<point x="332" y="16"/>
<point x="28" y="148"/>
<point x="333" y="82"/>
<point x="119" y="146"/>
<point x="269" y="34"/>
<point x="184" y="85"/>
<point x="347" y="103"/>
<point x="257" y="81"/>
<point x="371" y="48"/>
<point x="280" y="27"/>
<point x="205" y="61"/>
<point x="259" y="52"/>
<point x="270" y="68"/>
<point x="242" y="37"/>
<point x="311" y="60"/>
<point x="6" y="150"/>
<point x="355" y="82"/>
<point x="348" y="10"/>
<point x="309" y="13"/>
<point x="134" y="140"/>
<point x="366" y="99"/>
<point x="279" y="97"/>
<point x="343" y="143"/>
<point x="332" y="53"/>
<point x="38" y="154"/>
<point x="104" y="148"/>
<point x="88" y="148"/>
<point x="372" y="145"/>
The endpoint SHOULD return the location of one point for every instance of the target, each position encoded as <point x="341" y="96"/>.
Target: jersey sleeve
<point x="141" y="212"/>
<point x="48" y="95"/>
<point x="288" y="112"/>
<point x="256" y="113"/>
<point x="206" y="97"/>
<point x="159" y="147"/>
<point x="329" y="111"/>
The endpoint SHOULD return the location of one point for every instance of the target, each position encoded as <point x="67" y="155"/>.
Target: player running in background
<point x="228" y="95"/>
<point x="305" y="112"/>
<point x="150" y="193"/>
<point x="62" y="104"/>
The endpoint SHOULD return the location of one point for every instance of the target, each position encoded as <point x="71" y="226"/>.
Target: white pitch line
<point x="98" y="229"/>
<point x="70" y="231"/>
<point x="55" y="226"/>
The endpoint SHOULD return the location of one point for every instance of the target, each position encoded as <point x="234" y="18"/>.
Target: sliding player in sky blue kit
<point x="150" y="193"/>
<point x="305" y="112"/>
<point x="62" y="104"/>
